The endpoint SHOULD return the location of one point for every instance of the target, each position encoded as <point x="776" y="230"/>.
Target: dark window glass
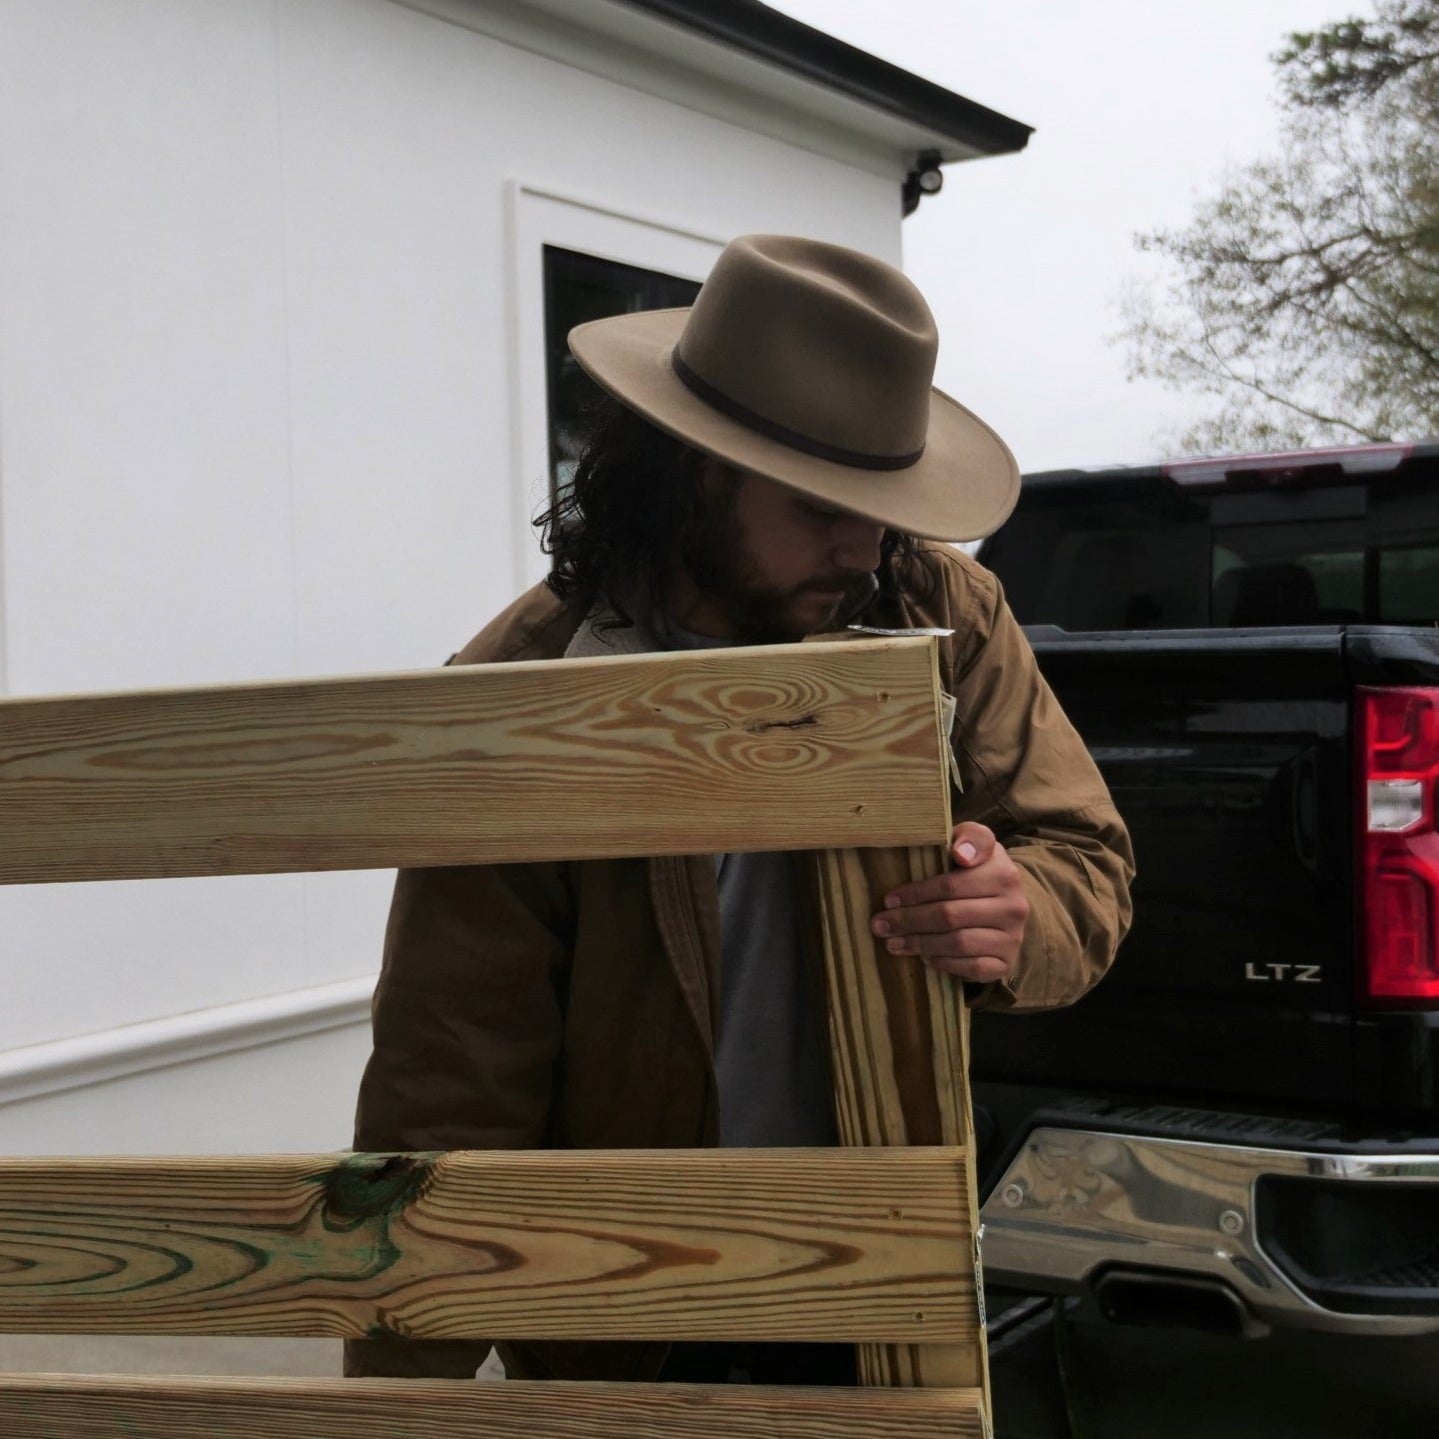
<point x="1289" y="574"/>
<point x="1404" y="537"/>
<point x="1138" y="561"/>
<point x="1409" y="585"/>
<point x="1154" y="558"/>
<point x="579" y="288"/>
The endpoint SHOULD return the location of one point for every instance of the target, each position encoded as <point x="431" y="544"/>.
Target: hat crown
<point x="822" y="344"/>
<point x="811" y="365"/>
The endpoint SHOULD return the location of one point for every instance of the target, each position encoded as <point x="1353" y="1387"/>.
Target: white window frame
<point x="536" y="217"/>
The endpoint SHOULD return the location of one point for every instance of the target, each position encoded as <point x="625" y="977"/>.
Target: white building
<point x="273" y="402"/>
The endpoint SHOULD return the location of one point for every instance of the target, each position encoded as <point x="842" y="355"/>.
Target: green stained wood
<point x="825" y="745"/>
<point x="672" y="1244"/>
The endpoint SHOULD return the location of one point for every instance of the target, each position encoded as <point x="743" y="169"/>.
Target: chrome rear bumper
<point x="1076" y="1205"/>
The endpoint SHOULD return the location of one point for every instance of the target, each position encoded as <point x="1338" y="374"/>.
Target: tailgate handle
<point x="1303" y="801"/>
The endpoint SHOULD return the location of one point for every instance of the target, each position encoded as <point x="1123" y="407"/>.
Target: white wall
<point x="256" y="410"/>
<point x="285" y="1096"/>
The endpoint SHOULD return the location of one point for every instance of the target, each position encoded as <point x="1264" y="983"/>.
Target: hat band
<point x="793" y="438"/>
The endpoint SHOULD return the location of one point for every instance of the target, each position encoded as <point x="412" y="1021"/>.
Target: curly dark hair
<point x="613" y="533"/>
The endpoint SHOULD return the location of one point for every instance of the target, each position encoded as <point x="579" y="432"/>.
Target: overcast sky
<point x="1138" y="106"/>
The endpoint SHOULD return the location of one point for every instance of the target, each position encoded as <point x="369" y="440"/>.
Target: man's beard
<point x="715" y="553"/>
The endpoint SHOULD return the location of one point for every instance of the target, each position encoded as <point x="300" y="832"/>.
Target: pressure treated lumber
<point x="899" y="1050"/>
<point x="109" y="1407"/>
<point x="632" y="1244"/>
<point x="775" y="747"/>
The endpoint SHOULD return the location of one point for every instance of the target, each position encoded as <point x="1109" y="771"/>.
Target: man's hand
<point x="969" y="921"/>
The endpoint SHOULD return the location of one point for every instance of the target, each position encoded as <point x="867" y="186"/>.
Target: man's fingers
<point x="954" y="944"/>
<point x="968" y="921"/>
<point x="957" y="884"/>
<point x="987" y="912"/>
<point x="971" y="844"/>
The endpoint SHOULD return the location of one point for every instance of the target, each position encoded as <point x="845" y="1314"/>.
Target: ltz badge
<point x="1283" y="973"/>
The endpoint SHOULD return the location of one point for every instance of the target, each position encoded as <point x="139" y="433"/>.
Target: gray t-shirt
<point x="770" y="1055"/>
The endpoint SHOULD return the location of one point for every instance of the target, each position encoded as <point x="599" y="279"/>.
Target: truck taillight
<point x="1398" y="764"/>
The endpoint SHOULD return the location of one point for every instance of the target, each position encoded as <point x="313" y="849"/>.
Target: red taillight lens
<point x="1398" y="765"/>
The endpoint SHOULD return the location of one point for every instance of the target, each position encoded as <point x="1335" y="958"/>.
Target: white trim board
<point x="88" y="1059"/>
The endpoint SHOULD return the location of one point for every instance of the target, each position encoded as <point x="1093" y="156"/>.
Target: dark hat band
<point x="793" y="438"/>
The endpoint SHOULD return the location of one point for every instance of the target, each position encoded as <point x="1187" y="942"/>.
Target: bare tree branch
<point x="1304" y="294"/>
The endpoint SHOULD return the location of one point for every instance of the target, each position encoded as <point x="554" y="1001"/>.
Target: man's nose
<point x="857" y="544"/>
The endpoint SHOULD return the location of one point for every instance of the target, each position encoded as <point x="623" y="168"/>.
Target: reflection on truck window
<point x="1288" y="574"/>
<point x="1152" y="558"/>
<point x="1121" y="564"/>
<point x="1408" y="580"/>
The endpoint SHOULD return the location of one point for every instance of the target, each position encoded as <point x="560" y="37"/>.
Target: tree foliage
<point x="1304" y="295"/>
<point x="1354" y="60"/>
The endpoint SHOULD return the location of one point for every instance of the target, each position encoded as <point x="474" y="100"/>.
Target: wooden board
<point x="46" y="1406"/>
<point x="899" y="1046"/>
<point x="632" y="1244"/>
<point x="898" y="1040"/>
<point x="777" y="747"/>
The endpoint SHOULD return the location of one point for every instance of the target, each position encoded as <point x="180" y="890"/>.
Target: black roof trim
<point x="766" y="34"/>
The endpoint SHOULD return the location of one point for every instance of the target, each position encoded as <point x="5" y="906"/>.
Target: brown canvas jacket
<point x="572" y="1005"/>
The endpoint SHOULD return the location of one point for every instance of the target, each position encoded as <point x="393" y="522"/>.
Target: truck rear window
<point x="1151" y="556"/>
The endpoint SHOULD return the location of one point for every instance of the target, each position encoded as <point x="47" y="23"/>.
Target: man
<point x="772" y="456"/>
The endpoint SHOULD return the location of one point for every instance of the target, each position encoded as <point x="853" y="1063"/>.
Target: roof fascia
<point x="770" y="36"/>
<point x="622" y="41"/>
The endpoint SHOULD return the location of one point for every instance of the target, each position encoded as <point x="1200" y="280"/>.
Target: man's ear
<point x="715" y="474"/>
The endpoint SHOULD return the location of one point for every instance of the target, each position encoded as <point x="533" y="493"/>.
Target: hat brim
<point x="962" y="487"/>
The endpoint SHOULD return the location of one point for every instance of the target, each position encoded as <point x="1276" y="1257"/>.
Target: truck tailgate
<point x="1227" y="752"/>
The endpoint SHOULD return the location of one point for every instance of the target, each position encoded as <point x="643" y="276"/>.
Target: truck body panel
<point x="1211" y="629"/>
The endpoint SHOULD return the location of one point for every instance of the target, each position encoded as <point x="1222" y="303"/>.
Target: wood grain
<point x="898" y="1039"/>
<point x="899" y="1046"/>
<point x="634" y="1244"/>
<point x="105" y="1407"/>
<point x="776" y="747"/>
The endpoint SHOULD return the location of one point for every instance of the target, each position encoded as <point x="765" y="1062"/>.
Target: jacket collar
<point x="682" y="887"/>
<point x="603" y="633"/>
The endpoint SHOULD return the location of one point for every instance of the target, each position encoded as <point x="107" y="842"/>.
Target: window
<point x="582" y="287"/>
<point x="1151" y="557"/>
<point x="1404" y="535"/>
<point x="1133" y="561"/>
<point x="573" y="259"/>
<point x="1304" y="573"/>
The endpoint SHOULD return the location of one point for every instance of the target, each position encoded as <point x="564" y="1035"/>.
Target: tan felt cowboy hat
<point x="812" y="365"/>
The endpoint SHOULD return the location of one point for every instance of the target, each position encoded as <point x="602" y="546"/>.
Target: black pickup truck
<point x="1238" y="1131"/>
